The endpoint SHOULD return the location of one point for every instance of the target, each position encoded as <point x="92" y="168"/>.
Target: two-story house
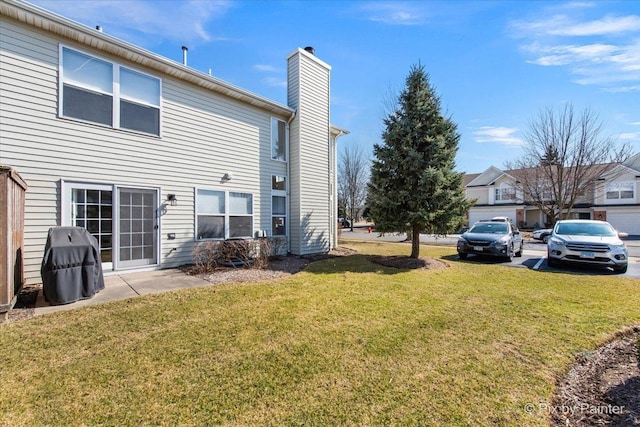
<point x="612" y="197"/>
<point x="152" y="156"/>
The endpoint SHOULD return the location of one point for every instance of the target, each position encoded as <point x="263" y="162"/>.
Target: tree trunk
<point x="415" y="242"/>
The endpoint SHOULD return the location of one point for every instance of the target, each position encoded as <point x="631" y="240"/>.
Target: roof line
<point x="36" y="16"/>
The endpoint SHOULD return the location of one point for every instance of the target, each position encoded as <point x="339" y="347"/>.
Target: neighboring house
<point x="613" y="197"/>
<point x="152" y="156"/>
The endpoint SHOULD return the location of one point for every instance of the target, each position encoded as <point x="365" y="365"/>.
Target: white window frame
<point x="616" y="187"/>
<point x="115" y="93"/>
<point x="280" y="193"/>
<point x="226" y="214"/>
<point x="274" y="123"/>
<point x="498" y="192"/>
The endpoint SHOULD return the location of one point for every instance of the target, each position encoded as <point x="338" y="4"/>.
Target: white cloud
<point x="275" y="82"/>
<point x="630" y="135"/>
<point x="563" y="25"/>
<point x="635" y="123"/>
<point x="606" y="25"/>
<point x="602" y="59"/>
<point x="394" y="13"/>
<point x="133" y="20"/>
<point x="265" y="68"/>
<point x="500" y="135"/>
<point x="569" y="54"/>
<point x="579" y="4"/>
<point x="623" y="89"/>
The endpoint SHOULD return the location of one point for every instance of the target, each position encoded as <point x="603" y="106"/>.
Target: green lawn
<point x="346" y="342"/>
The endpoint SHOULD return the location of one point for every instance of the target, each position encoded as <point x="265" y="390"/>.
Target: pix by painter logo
<point x="583" y="408"/>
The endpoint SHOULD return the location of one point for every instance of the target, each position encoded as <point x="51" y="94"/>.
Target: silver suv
<point x="494" y="238"/>
<point x="589" y="242"/>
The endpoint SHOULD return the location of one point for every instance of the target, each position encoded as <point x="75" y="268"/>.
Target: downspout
<point x="288" y="154"/>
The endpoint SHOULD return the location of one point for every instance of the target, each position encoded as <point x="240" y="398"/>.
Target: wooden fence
<point x="12" y="197"/>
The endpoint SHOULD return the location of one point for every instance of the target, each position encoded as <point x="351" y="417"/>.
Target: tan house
<point x="152" y="156"/>
<point x="612" y="197"/>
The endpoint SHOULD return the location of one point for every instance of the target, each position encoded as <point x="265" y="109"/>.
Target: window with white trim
<point x="620" y="190"/>
<point x="223" y="214"/>
<point x="99" y="91"/>
<point x="278" y="139"/>
<point x="505" y="193"/>
<point x="278" y="205"/>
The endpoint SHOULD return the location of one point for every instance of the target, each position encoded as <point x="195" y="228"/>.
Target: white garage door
<point x="625" y="222"/>
<point x="476" y="215"/>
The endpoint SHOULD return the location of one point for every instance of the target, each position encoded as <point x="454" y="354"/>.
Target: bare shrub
<point x="263" y="253"/>
<point x="205" y="257"/>
<point x="278" y="247"/>
<point x="208" y="256"/>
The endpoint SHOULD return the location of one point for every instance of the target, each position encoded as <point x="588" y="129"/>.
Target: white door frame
<point x="66" y="216"/>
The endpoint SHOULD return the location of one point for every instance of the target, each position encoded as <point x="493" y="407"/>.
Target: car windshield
<point x="585" y="229"/>
<point x="490" y="228"/>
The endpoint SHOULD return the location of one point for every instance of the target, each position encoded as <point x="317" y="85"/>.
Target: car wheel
<point x="462" y="255"/>
<point x="519" y="253"/>
<point x="622" y="269"/>
<point x="552" y="262"/>
<point x="545" y="238"/>
<point x="509" y="256"/>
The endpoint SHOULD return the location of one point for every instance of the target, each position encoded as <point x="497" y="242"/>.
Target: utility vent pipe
<point x="311" y="50"/>
<point x="99" y="28"/>
<point x="184" y="55"/>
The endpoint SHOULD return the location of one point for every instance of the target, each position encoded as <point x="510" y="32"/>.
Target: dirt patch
<point x="602" y="387"/>
<point x="408" y="263"/>
<point x="277" y="267"/>
<point x="281" y="267"/>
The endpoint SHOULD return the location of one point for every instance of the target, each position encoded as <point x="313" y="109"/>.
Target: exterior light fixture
<point x="171" y="198"/>
<point x="227" y="176"/>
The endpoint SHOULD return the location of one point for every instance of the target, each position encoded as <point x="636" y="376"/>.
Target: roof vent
<point x="311" y="50"/>
<point x="184" y="55"/>
<point x="99" y="28"/>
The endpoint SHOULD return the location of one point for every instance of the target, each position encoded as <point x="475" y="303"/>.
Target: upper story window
<point x="223" y="215"/>
<point x="98" y="91"/>
<point x="505" y="192"/>
<point x="278" y="140"/>
<point x="620" y="190"/>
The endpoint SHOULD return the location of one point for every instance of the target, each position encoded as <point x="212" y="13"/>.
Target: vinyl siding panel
<point x="314" y="156"/>
<point x="600" y="189"/>
<point x="203" y="136"/>
<point x="479" y="193"/>
<point x="293" y="100"/>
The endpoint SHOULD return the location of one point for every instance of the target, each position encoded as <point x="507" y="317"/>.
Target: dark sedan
<point x="493" y="238"/>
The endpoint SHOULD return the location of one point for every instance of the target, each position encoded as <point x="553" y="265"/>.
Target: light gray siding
<point x="310" y="161"/>
<point x="293" y="95"/>
<point x="203" y="136"/>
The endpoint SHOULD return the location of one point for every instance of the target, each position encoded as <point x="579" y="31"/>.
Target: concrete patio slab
<point x="128" y="285"/>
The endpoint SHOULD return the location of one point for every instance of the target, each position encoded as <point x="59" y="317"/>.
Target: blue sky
<point x="495" y="64"/>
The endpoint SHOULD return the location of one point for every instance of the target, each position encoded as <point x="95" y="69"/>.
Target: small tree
<point x="413" y="182"/>
<point x="564" y="155"/>
<point x="353" y="176"/>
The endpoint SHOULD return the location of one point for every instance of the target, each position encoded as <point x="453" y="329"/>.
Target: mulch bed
<point x="407" y="263"/>
<point x="602" y="387"/>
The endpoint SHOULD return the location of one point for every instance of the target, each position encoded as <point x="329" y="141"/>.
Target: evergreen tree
<point x="413" y="183"/>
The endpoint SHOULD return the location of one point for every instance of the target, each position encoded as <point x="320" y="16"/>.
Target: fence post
<point x="12" y="199"/>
